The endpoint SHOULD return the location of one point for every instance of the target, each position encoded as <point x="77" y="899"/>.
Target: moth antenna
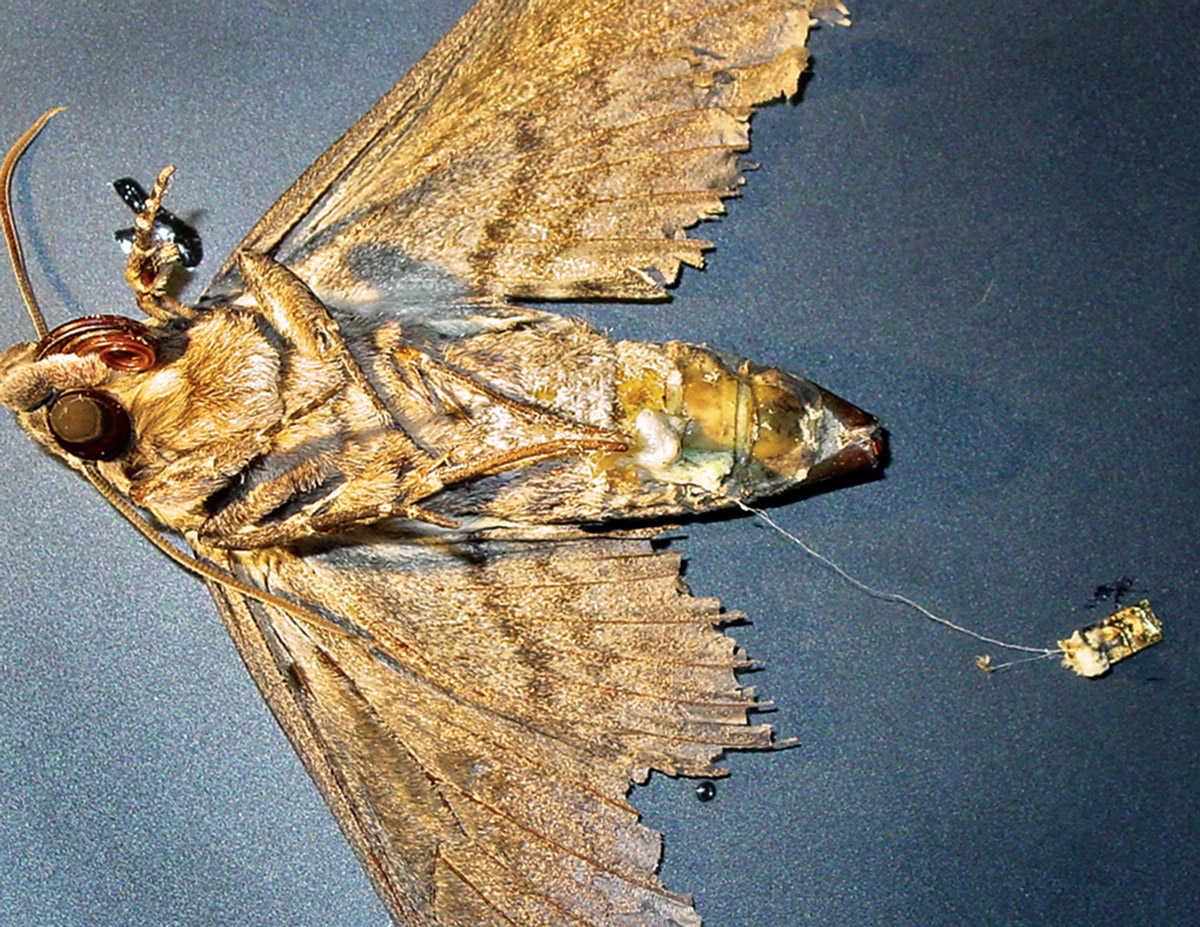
<point x="10" y="227"/>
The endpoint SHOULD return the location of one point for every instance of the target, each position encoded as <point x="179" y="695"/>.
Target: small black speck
<point x="1114" y="592"/>
<point x="706" y="790"/>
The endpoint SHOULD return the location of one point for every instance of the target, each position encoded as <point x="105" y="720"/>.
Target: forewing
<point x="544" y="148"/>
<point x="477" y="725"/>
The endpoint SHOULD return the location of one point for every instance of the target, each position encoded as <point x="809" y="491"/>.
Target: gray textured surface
<point x="981" y="226"/>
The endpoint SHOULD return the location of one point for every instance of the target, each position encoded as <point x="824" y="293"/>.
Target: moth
<point x="424" y="503"/>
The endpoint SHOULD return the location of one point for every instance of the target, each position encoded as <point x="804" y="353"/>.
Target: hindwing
<point x="475" y="712"/>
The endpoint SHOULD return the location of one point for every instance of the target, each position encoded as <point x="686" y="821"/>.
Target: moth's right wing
<point x="476" y="726"/>
<point x="543" y="148"/>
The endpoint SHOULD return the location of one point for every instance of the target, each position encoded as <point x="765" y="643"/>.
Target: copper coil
<point x="121" y="343"/>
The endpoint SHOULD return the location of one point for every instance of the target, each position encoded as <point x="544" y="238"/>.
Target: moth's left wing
<point x="477" y="724"/>
<point x="543" y="148"/>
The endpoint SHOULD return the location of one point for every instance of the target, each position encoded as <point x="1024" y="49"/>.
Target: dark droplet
<point x="706" y="790"/>
<point x="1114" y="592"/>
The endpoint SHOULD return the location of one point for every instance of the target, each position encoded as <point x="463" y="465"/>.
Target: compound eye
<point x="89" y="424"/>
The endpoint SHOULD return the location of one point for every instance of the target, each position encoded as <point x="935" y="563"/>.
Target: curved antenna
<point x="10" y="228"/>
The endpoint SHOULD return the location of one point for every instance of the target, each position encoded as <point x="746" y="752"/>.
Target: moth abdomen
<point x="732" y="429"/>
<point x="700" y="429"/>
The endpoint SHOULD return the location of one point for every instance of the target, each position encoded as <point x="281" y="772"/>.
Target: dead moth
<point x="395" y="476"/>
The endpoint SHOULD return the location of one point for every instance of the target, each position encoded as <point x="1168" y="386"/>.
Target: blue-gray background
<point x="980" y="223"/>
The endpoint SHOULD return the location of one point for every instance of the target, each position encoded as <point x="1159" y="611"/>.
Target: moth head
<point x="63" y="384"/>
<point x="58" y="385"/>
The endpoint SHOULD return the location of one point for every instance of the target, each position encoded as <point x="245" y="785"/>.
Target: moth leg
<point x="281" y="505"/>
<point x="197" y="476"/>
<point x="429" y="377"/>
<point x="240" y="521"/>
<point x="391" y="486"/>
<point x="388" y="493"/>
<point x="296" y="313"/>
<point x="438" y="475"/>
<point x="152" y="260"/>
